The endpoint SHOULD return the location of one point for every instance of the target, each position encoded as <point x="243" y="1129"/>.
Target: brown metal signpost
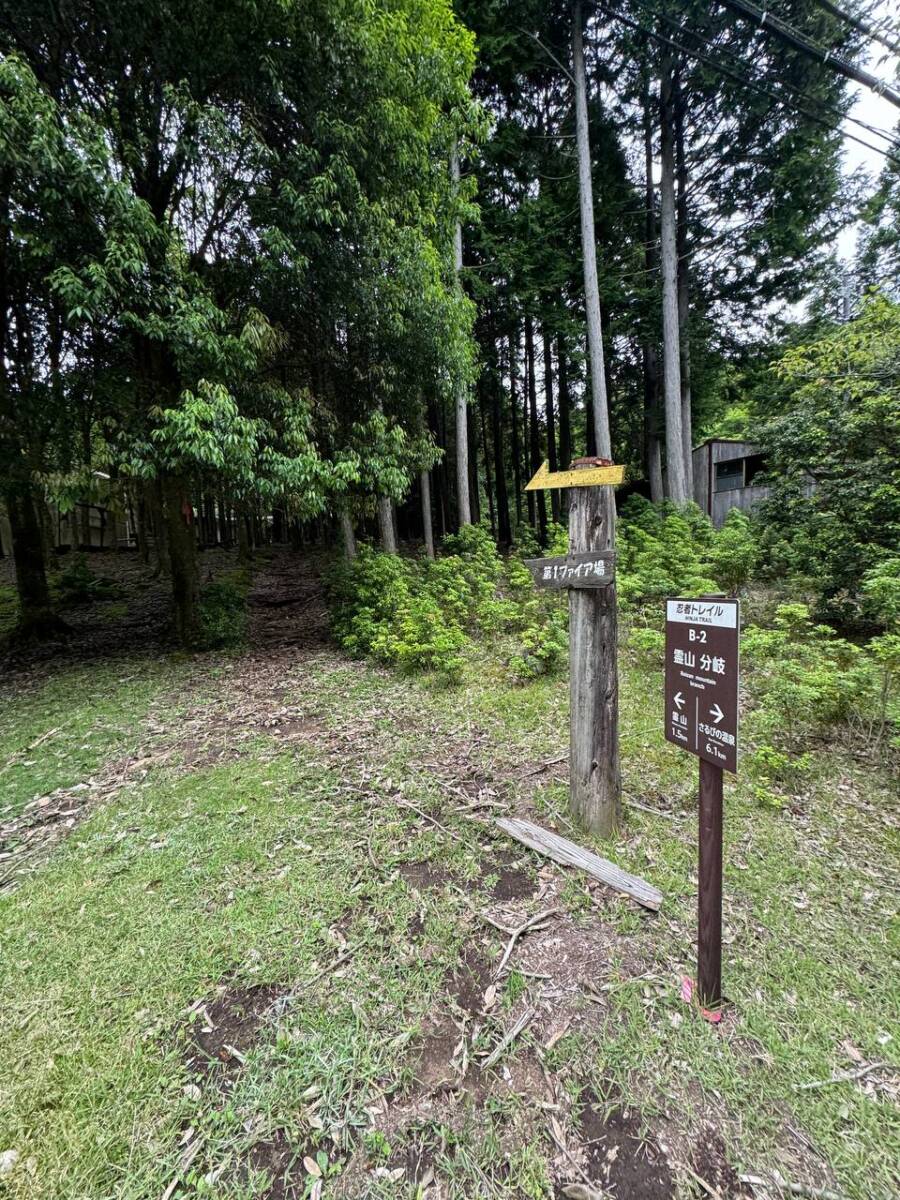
<point x="702" y="678"/>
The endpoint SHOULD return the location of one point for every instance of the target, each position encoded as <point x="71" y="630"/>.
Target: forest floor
<point x="252" y="908"/>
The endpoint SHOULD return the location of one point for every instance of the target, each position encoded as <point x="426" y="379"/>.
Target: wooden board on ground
<point x="567" y="853"/>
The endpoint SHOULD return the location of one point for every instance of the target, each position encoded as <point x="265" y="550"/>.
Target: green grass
<point x="57" y="734"/>
<point x="269" y="868"/>
<point x="9" y="609"/>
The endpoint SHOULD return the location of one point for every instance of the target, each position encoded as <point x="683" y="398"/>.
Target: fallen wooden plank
<point x="563" y="851"/>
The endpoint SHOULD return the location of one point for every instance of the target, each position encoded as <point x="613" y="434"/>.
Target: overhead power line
<point x="871" y="31"/>
<point x="661" y="39"/>
<point x="804" y="96"/>
<point x="793" y="37"/>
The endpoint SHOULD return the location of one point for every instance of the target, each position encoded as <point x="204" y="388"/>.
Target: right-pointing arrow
<point x="716" y="713"/>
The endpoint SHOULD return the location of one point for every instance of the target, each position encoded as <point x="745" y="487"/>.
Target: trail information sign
<point x="702" y="675"/>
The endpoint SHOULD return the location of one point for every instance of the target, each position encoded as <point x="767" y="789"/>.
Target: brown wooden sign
<point x="702" y="677"/>
<point x="591" y="569"/>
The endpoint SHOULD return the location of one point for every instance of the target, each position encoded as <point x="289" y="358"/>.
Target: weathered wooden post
<point x="594" y="777"/>
<point x="588" y="571"/>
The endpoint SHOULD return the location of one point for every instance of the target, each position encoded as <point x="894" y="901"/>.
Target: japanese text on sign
<point x="702" y="677"/>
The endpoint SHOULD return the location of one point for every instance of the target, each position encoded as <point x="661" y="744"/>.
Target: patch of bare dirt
<point x="709" y="1161"/>
<point x="470" y="981"/>
<point x="417" y="1156"/>
<point x="275" y="1156"/>
<point x="620" y="1157"/>
<point x="220" y="1031"/>
<point x="512" y="881"/>
<point x="420" y="875"/>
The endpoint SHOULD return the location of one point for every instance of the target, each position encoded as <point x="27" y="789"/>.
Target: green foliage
<point x="420" y="615"/>
<point x="544" y="641"/>
<point x="734" y="552"/>
<point x="881" y="588"/>
<point x="834" y="459"/>
<point x="78" y="584"/>
<point x="223" y="612"/>
<point x="660" y="552"/>
<point x="804" y="678"/>
<point x="381" y="606"/>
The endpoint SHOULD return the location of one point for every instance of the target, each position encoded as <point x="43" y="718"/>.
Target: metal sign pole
<point x="709" y="905"/>
<point x="702" y="692"/>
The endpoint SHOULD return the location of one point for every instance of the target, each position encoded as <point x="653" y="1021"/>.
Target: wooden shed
<point x="724" y="475"/>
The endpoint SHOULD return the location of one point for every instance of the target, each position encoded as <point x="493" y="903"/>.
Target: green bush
<point x="78" y="585"/>
<point x="420" y="615"/>
<point x="804" y="678"/>
<point x="402" y="613"/>
<point x="661" y="552"/>
<point x="223" y="613"/>
<point x="734" y="553"/>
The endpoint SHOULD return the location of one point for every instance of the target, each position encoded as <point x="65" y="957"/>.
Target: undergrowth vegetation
<point x="802" y="680"/>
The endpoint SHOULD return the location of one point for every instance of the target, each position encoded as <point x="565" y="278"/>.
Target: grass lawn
<point x="263" y="960"/>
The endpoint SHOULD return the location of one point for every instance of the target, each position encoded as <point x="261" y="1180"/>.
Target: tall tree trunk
<point x="140" y="524"/>
<point x="386" y="525"/>
<point x="84" y="510"/>
<point x="649" y="350"/>
<point x="684" y="297"/>
<point x="676" y="480"/>
<point x="551" y="423"/>
<point x="504" y="533"/>
<point x="599" y="400"/>
<point x="35" y="617"/>
<point x="534" y="430"/>
<point x="464" y="511"/>
<point x="427" y="530"/>
<point x="244" y="549"/>
<point x="565" y="418"/>
<point x="514" y="406"/>
<point x="528" y="368"/>
<point x="224" y="528"/>
<point x="474" y="489"/>
<point x="182" y="538"/>
<point x="488" y="473"/>
<point x="348" y="536"/>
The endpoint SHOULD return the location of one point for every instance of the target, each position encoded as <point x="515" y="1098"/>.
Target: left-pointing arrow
<point x="679" y="700"/>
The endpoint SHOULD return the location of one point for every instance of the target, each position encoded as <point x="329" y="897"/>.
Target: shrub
<point x="881" y="589"/>
<point x="734" y="552"/>
<point x="804" y="678"/>
<point x="78" y="584"/>
<point x="223" y="613"/>
<point x="660" y="552"/>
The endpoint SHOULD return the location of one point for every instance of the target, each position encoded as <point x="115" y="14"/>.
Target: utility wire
<point x="799" y="41"/>
<point x="871" y="31"/>
<point x="824" y="104"/>
<point x="744" y="80"/>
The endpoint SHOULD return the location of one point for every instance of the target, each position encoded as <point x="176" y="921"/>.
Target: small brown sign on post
<point x="702" y="681"/>
<point x="702" y="674"/>
<point x="592" y="569"/>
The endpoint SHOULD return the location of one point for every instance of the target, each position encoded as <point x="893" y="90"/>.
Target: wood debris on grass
<point x="569" y="854"/>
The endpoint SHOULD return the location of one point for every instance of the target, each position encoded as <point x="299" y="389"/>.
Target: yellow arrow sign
<point x="586" y="477"/>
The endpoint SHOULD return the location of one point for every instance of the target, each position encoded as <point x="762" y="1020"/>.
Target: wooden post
<point x="709" y="905"/>
<point x="595" y="783"/>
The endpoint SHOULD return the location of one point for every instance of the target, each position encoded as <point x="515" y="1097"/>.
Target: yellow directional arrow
<point x="586" y="477"/>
